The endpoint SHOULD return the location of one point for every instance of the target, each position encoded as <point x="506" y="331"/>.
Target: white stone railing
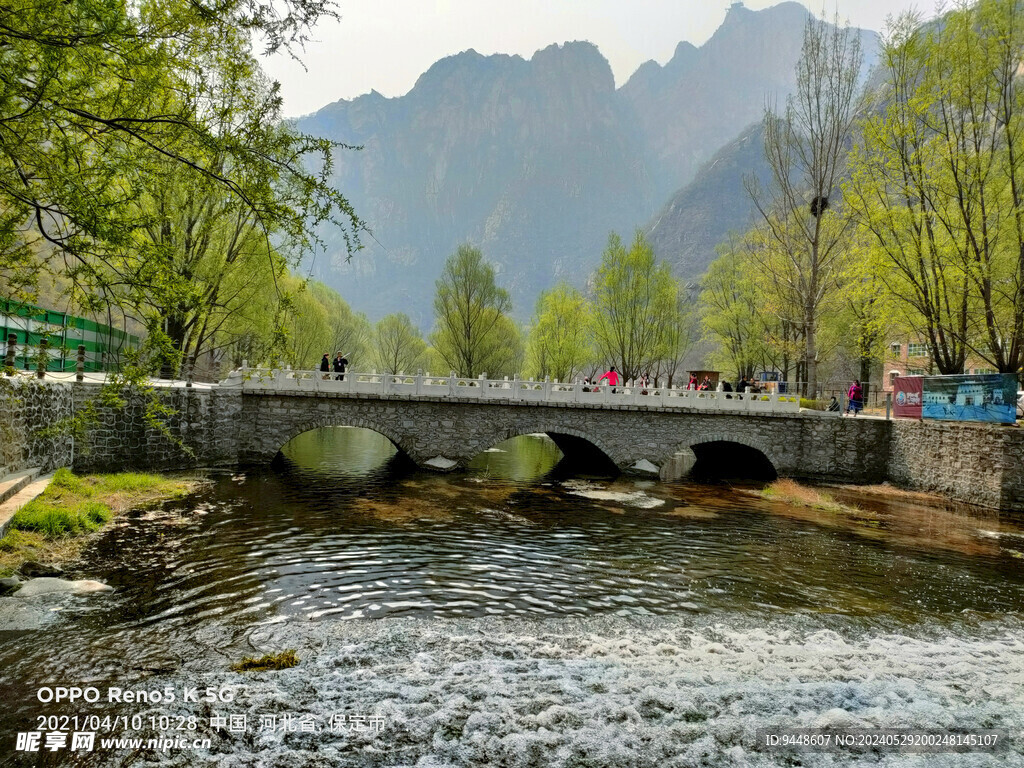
<point x="515" y="389"/>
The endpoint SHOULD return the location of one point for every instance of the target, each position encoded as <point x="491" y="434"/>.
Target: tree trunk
<point x="865" y="377"/>
<point x="810" y="355"/>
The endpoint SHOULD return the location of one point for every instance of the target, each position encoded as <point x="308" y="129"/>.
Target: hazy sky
<point x="385" y="45"/>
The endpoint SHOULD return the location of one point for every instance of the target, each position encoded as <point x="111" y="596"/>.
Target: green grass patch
<point x="73" y="506"/>
<point x="282" y="660"/>
<point x="54" y="520"/>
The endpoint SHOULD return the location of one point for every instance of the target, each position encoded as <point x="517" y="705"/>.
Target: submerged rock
<point x="46" y="585"/>
<point x="442" y="463"/>
<point x="19" y="615"/>
<point x="33" y="570"/>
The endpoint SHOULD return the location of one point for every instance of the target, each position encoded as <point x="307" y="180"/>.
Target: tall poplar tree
<point x="472" y="332"/>
<point x="636" y="302"/>
<point x="806" y="148"/>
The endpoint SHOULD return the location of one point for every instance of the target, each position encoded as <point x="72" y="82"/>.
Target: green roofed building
<point x="104" y="345"/>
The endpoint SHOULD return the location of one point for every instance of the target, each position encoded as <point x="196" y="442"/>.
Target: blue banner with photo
<point x="989" y="397"/>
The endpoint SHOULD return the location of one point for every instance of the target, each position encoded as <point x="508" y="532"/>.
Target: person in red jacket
<point x="855" y="396"/>
<point x="612" y="376"/>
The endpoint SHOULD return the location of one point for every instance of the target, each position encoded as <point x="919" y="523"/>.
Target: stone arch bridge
<point x="444" y="423"/>
<point x="446" y="433"/>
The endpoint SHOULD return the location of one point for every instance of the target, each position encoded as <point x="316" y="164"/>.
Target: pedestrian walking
<point x="325" y="366"/>
<point x="855" y="395"/>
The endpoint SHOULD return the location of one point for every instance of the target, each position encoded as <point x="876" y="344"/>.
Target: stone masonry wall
<point x="975" y="463"/>
<point x="204" y="421"/>
<point x="27" y="407"/>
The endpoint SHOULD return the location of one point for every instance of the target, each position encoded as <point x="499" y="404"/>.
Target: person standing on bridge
<point x="340" y="362"/>
<point x="613" y="378"/>
<point x="325" y="366"/>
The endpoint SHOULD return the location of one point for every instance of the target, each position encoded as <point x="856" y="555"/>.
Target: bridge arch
<point x="325" y="422"/>
<point x="718" y="456"/>
<point x="576" y="446"/>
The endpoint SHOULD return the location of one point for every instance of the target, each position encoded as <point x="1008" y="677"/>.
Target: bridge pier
<point x="677" y="466"/>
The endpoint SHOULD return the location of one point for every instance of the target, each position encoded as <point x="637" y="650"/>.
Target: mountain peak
<point x="739" y="18"/>
<point x="467" y="63"/>
<point x="577" y="59"/>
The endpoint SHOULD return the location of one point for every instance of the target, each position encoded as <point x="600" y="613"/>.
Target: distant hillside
<point x="701" y="214"/>
<point x="702" y="97"/>
<point x="535" y="161"/>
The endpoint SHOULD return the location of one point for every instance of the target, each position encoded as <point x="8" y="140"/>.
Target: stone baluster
<point x="190" y="368"/>
<point x="451" y="384"/>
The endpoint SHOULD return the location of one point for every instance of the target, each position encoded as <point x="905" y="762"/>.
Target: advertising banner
<point x="907" y="397"/>
<point x="986" y="397"/>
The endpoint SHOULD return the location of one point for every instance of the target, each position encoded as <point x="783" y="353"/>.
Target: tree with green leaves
<point x="472" y="333"/>
<point x="350" y="332"/>
<point x="397" y="345"/>
<point x="732" y="302"/>
<point x="892" y="194"/>
<point x="939" y="180"/>
<point x="636" y="302"/>
<point x="112" y="115"/>
<point x="560" y="341"/>
<point x="806" y="148"/>
<point x="681" y="335"/>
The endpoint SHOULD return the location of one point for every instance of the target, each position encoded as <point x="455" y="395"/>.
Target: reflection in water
<point x="521" y="459"/>
<point x="343" y="528"/>
<point x="341" y="452"/>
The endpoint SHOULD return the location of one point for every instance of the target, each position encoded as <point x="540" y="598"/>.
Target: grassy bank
<point x="54" y="527"/>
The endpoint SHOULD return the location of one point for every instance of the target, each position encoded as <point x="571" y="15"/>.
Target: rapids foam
<point x="615" y="693"/>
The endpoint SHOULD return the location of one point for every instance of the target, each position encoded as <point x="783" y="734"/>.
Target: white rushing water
<point x="611" y="692"/>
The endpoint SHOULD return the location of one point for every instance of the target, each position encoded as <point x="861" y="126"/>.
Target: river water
<point x="525" y="615"/>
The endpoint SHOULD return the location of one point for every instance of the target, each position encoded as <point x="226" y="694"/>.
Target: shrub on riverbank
<point x="791" y="492"/>
<point x="53" y="526"/>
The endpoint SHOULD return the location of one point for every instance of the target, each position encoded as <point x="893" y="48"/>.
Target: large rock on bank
<point x="46" y="586"/>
